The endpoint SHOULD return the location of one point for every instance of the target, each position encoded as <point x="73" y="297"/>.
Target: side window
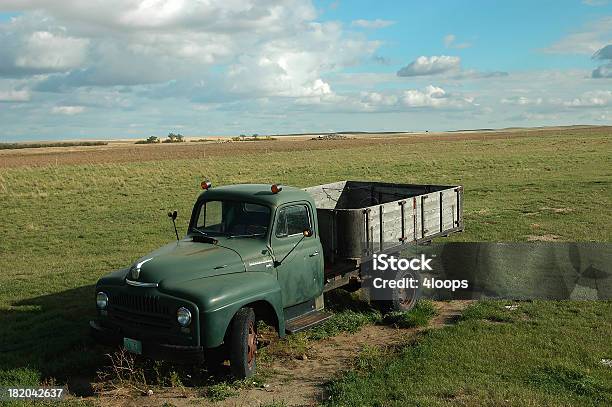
<point x="292" y="220"/>
<point x="210" y="216"/>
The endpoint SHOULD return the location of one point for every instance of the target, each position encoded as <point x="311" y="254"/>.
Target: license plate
<point x="132" y="346"/>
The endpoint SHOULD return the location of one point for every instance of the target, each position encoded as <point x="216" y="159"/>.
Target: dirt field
<point x="297" y="382"/>
<point x="122" y="151"/>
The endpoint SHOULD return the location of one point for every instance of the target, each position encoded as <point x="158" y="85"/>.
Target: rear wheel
<point x="404" y="299"/>
<point x="401" y="299"/>
<point x="243" y="343"/>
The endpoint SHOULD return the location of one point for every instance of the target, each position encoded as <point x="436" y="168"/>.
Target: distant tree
<point x="174" y="138"/>
<point x="149" y="140"/>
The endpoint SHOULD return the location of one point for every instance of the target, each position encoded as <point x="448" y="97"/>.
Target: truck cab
<point x="251" y="252"/>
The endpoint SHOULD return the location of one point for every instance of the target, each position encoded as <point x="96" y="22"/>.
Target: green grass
<point x="419" y="316"/>
<point x="544" y="353"/>
<point x="62" y="227"/>
<point x="349" y="314"/>
<point x="220" y="391"/>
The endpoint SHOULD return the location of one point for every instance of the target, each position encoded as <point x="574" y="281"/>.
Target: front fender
<point x="220" y="297"/>
<point x="117" y="277"/>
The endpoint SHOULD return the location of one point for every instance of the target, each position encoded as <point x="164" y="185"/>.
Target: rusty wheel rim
<point x="406" y="297"/>
<point x="251" y="345"/>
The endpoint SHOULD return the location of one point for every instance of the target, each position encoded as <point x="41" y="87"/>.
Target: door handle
<point x="313" y="254"/>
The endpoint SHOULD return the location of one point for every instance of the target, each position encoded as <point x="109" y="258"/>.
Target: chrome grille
<point x="141" y="310"/>
<point x="139" y="303"/>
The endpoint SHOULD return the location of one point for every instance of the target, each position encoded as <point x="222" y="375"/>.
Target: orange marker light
<point x="206" y="185"/>
<point x="276" y="188"/>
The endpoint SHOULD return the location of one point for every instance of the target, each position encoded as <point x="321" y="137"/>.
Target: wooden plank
<point x="432" y="204"/>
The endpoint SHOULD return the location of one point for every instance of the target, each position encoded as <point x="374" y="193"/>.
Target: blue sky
<point x="119" y="68"/>
<point x="503" y="36"/>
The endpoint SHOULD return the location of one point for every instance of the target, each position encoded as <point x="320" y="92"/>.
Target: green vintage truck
<point x="262" y="252"/>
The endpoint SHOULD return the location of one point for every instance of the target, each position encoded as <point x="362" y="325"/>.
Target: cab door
<point x="301" y="274"/>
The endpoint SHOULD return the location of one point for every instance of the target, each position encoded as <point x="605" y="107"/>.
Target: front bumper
<point x="176" y="353"/>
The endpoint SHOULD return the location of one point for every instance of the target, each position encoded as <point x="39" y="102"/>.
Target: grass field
<point x="66" y="222"/>
<point x="541" y="353"/>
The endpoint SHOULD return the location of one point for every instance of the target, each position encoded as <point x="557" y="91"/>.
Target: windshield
<point x="233" y="219"/>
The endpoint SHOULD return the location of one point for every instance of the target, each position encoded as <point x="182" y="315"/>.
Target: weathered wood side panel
<point x="375" y="218"/>
<point x="326" y="196"/>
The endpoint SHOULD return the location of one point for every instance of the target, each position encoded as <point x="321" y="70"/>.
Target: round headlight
<point x="101" y="300"/>
<point x="183" y="316"/>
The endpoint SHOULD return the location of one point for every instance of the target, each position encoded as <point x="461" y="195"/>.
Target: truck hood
<point x="186" y="260"/>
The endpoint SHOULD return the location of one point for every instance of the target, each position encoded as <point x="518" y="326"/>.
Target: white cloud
<point x="68" y="110"/>
<point x="586" y="41"/>
<point x="202" y="51"/>
<point x="231" y="16"/>
<point x="224" y="65"/>
<point x="450" y="42"/>
<point x="603" y="71"/>
<point x="604" y="53"/>
<point x="598" y="98"/>
<point x="522" y="101"/>
<point x="30" y="45"/>
<point x="431" y="66"/>
<point x="378" y="23"/>
<point x="434" y="96"/>
<point x="14" y="95"/>
<point x="374" y="100"/>
<point x="289" y="68"/>
<point x="604" y="117"/>
<point x="447" y="66"/>
<point x="474" y="74"/>
<point x="151" y="41"/>
<point x="535" y="117"/>
<point x="46" y="51"/>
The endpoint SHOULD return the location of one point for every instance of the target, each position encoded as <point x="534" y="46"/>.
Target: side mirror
<point x="172" y="215"/>
<point x="308" y="232"/>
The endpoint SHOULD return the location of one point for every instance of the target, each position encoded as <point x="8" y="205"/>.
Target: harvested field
<point x="124" y="152"/>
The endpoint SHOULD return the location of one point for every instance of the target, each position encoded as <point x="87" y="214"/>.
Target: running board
<point x="306" y="321"/>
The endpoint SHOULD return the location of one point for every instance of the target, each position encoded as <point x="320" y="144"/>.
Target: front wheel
<point x="243" y="343"/>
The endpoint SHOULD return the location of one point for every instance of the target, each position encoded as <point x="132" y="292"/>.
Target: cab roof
<point x="255" y="193"/>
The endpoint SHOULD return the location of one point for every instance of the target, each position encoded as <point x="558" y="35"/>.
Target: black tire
<point x="401" y="299"/>
<point x="243" y="343"/>
<point x="404" y="299"/>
